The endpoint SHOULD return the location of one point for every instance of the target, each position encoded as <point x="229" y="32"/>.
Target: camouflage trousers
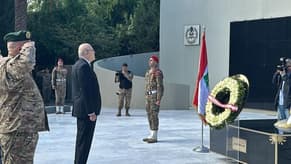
<point x="18" y="148"/>
<point x="152" y="112"/>
<point x="60" y="93"/>
<point x="124" y="95"/>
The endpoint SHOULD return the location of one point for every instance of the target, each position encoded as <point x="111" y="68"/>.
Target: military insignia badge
<point x="191" y="35"/>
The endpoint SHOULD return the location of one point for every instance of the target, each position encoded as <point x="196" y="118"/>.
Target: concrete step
<point x="52" y="109"/>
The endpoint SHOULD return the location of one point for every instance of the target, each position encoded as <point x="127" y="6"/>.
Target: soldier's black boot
<point x="145" y="139"/>
<point x="118" y="113"/>
<point x="127" y="113"/>
<point x="152" y="140"/>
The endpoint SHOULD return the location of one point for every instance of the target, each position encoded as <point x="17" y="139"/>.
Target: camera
<point x="116" y="79"/>
<point x="283" y="66"/>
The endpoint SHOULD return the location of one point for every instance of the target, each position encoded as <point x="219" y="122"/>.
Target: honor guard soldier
<point x="22" y="112"/>
<point x="59" y="75"/>
<point x="154" y="90"/>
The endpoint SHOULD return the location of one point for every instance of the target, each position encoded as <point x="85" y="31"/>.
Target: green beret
<point x="17" y="36"/>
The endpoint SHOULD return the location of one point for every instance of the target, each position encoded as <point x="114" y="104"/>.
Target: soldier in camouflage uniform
<point x="22" y="113"/>
<point x="154" y="90"/>
<point x="59" y="75"/>
<point x="124" y="78"/>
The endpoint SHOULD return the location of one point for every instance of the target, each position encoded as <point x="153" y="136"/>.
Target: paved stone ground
<point x="119" y="140"/>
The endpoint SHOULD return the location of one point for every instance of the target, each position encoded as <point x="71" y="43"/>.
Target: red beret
<point x="155" y="58"/>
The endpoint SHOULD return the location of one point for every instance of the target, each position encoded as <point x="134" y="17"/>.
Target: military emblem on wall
<point x="191" y="35"/>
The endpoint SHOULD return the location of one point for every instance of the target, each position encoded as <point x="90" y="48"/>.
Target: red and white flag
<point x="202" y="84"/>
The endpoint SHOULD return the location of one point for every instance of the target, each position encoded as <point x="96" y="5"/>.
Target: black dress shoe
<point x="145" y="139"/>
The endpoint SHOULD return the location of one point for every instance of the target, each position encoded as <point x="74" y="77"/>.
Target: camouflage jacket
<point x="154" y="83"/>
<point x="59" y="76"/>
<point x="21" y="105"/>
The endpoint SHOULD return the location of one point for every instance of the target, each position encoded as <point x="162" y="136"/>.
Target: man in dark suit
<point x="87" y="101"/>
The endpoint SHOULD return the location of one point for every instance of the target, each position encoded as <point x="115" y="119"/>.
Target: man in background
<point x="282" y="79"/>
<point x="59" y="75"/>
<point x="124" y="78"/>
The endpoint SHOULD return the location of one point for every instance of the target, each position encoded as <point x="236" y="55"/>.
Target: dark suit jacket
<point x="278" y="81"/>
<point x="86" y="93"/>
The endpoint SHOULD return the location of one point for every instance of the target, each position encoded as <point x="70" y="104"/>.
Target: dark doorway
<point x="255" y="49"/>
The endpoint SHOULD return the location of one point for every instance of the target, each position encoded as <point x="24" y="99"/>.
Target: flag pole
<point x="202" y="148"/>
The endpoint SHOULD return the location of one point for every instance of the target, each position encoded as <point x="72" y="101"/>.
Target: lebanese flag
<point x="202" y="84"/>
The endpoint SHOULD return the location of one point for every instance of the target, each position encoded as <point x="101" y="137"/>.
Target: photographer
<point x="124" y="78"/>
<point x="282" y="80"/>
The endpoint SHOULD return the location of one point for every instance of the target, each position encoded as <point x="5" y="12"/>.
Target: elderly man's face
<point x="14" y="48"/>
<point x="86" y="50"/>
<point x="91" y="53"/>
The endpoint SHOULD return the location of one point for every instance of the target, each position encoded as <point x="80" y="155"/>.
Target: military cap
<point x="155" y="58"/>
<point x="17" y="36"/>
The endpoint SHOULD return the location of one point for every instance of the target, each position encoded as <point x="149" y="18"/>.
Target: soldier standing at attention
<point x="22" y="113"/>
<point x="124" y="77"/>
<point x="154" y="90"/>
<point x="59" y="75"/>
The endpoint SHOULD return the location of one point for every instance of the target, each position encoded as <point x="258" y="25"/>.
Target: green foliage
<point x="112" y="27"/>
<point x="7" y="21"/>
<point x="146" y="26"/>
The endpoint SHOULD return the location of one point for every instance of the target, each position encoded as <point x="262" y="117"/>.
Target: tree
<point x="7" y="22"/>
<point x="146" y="23"/>
<point x="112" y="27"/>
<point x="20" y="14"/>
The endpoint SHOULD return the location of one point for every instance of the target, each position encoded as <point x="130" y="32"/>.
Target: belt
<point x="151" y="92"/>
<point x="60" y="80"/>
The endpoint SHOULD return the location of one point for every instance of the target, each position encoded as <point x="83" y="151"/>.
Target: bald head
<point x="86" y="51"/>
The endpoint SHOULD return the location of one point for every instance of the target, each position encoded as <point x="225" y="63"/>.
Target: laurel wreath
<point x="282" y="124"/>
<point x="231" y="90"/>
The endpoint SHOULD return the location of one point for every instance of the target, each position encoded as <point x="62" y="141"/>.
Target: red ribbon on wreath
<point x="233" y="108"/>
